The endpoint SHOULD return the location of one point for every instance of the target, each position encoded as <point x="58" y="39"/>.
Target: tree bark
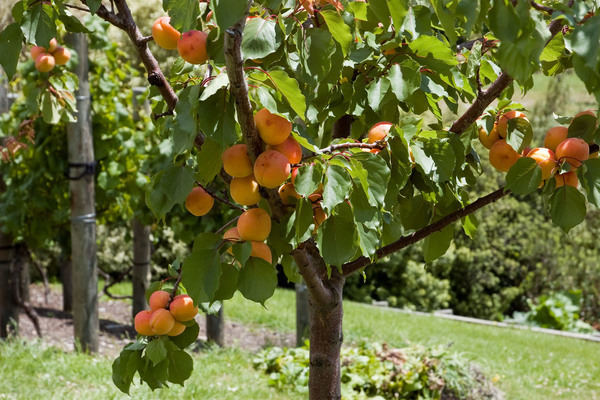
<point x="24" y="270"/>
<point x="141" y="265"/>
<point x="9" y="310"/>
<point x="302" y="314"/>
<point x="215" y="331"/>
<point x="326" y="337"/>
<point x="83" y="213"/>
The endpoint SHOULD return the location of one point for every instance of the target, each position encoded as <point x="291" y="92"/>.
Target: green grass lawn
<point x="529" y="365"/>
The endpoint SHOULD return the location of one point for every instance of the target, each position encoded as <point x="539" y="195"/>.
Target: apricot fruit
<point x="231" y="235"/>
<point x="52" y="45"/>
<point x="244" y="190"/>
<point x="287" y="192"/>
<point x="199" y="202"/>
<point x="236" y="161"/>
<point x="503" y="121"/>
<point x="141" y="322"/>
<point x="44" y="62"/>
<point x="546" y="159"/>
<point x="61" y="55"/>
<point x="573" y="151"/>
<point x="159" y="299"/>
<point x="586" y="112"/>
<point x="503" y="156"/>
<point x="192" y="47"/>
<point x="554" y="136"/>
<point x="261" y="250"/>
<point x="177" y="330"/>
<point x="254" y="225"/>
<point x="164" y="34"/>
<point x="487" y="140"/>
<point x="378" y="131"/>
<point x="272" y="128"/>
<point x="289" y="148"/>
<point x="568" y="178"/>
<point x="182" y="307"/>
<point x="271" y="169"/>
<point x="36" y="51"/>
<point x="161" y="321"/>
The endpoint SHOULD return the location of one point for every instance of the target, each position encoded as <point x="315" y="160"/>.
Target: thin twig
<point x="77" y="7"/>
<point x="227" y="225"/>
<point x="222" y="199"/>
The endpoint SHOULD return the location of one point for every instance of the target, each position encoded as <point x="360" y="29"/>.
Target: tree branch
<point x="221" y="199"/>
<point x="124" y="21"/>
<point x="313" y="270"/>
<point x="422" y="233"/>
<point x="239" y="90"/>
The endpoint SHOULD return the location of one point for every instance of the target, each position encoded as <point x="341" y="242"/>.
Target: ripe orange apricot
<point x="192" y="47"/>
<point x="233" y="236"/>
<point x="287" y="192"/>
<point x="61" y="55"/>
<point x="573" y="151"/>
<point x="568" y="178"/>
<point x="254" y="224"/>
<point x="546" y="159"/>
<point x="159" y="299"/>
<point x="271" y="169"/>
<point x="487" y="140"/>
<point x="161" y="321"/>
<point x="236" y="161"/>
<point x="177" y="330"/>
<point x="261" y="250"/>
<point x="588" y="112"/>
<point x="289" y="148"/>
<point x="44" y="62"/>
<point x="36" y="51"/>
<point x="52" y="46"/>
<point x="378" y="131"/>
<point x="198" y="202"/>
<point x="182" y="307"/>
<point x="503" y="121"/>
<point x="142" y="323"/>
<point x="164" y="34"/>
<point x="244" y="190"/>
<point x="554" y="136"/>
<point x="503" y="156"/>
<point x="294" y="174"/>
<point x="272" y="128"/>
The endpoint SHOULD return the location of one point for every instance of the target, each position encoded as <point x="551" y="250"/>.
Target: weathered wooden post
<point x="83" y="211"/>
<point x="302" y="314"/>
<point x="215" y="325"/>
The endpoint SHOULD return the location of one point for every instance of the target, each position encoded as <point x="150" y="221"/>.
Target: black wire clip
<point x="88" y="169"/>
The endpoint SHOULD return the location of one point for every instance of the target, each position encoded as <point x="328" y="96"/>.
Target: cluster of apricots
<point x="47" y="58"/>
<point x="191" y="45"/>
<point x="164" y="317"/>
<point x="559" y="150"/>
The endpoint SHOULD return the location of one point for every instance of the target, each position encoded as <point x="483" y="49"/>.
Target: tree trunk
<point x="141" y="265"/>
<point x="302" y="314"/>
<point x="24" y="271"/>
<point x="215" y="331"/>
<point x="83" y="216"/>
<point x="326" y="339"/>
<point x="9" y="310"/>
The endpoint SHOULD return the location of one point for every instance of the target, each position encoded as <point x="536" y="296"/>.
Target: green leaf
<point x="304" y="218"/>
<point x="376" y="91"/>
<point x="241" y="251"/>
<point x="38" y="24"/>
<point x="567" y="207"/>
<point x="185" y="125"/>
<point x="228" y="12"/>
<point x="404" y="79"/>
<point x="308" y="179"/>
<point x="378" y="176"/>
<point x="261" y="38"/>
<point x="72" y="24"/>
<point x="381" y="11"/>
<point x="583" y="127"/>
<point x="209" y="161"/>
<point x="257" y="280"/>
<point x="156" y="351"/>
<point x="187" y="337"/>
<point x="524" y="177"/>
<point x="470" y="224"/>
<point x="337" y="186"/>
<point x="316" y="54"/>
<point x="338" y="29"/>
<point x="50" y="109"/>
<point x="156" y="199"/>
<point x="519" y="133"/>
<point x="219" y="82"/>
<point x="216" y="118"/>
<point x="202" y="268"/>
<point x="11" y="42"/>
<point x="94" y="5"/>
<point x="183" y="13"/>
<point x="177" y="183"/>
<point x="398" y="10"/>
<point x="228" y="282"/>
<point x="290" y="90"/>
<point x="430" y="46"/>
<point x="436" y="244"/>
<point x="124" y="369"/>
<point x="591" y="181"/>
<point x="181" y="366"/>
<point x="337" y="240"/>
<point x="155" y="376"/>
<point x="368" y="240"/>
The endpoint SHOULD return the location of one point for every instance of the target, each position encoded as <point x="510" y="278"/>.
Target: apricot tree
<point x="318" y="74"/>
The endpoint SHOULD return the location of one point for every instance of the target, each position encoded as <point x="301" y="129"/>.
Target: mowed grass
<point x="30" y="371"/>
<point x="528" y="365"/>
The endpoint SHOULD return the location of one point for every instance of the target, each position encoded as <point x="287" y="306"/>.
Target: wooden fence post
<point x="83" y="211"/>
<point x="215" y="325"/>
<point x="302" y="314"/>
